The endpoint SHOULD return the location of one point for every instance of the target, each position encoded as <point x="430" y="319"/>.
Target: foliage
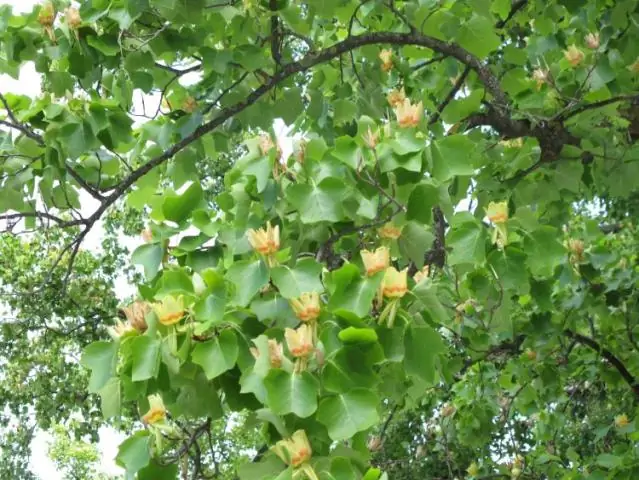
<point x="259" y="298"/>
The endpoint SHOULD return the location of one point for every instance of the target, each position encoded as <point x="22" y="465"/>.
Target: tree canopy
<point x="435" y="275"/>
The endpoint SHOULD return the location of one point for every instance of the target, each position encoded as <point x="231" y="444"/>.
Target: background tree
<point x="477" y="139"/>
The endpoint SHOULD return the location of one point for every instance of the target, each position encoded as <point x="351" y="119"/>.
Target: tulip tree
<point x="430" y="247"/>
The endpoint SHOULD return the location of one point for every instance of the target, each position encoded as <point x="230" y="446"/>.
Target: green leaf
<point x="609" y="461"/>
<point x="346" y="414"/>
<point x="178" y="208"/>
<point x="304" y="278"/>
<point x="353" y="296"/>
<point x="211" y="308"/>
<point x="145" y="358"/>
<point x="133" y="453"/>
<point x="218" y="355"/>
<point x="344" y="111"/>
<point x="149" y="256"/>
<point x="414" y="242"/>
<point x="468" y="244"/>
<point x="100" y="358"/>
<point x="544" y="251"/>
<point x="423" y="345"/>
<point x="346" y="370"/>
<point x="291" y="393"/>
<point x="346" y="151"/>
<point x="318" y="203"/>
<point x="248" y="278"/>
<point x="452" y="156"/>
<point x="478" y="36"/>
<point x="510" y="266"/>
<point x="426" y="293"/>
<point x="421" y="202"/>
<point x="111" y="399"/>
<point x="158" y="472"/>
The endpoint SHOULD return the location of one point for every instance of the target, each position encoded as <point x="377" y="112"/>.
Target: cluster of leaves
<point x="523" y="325"/>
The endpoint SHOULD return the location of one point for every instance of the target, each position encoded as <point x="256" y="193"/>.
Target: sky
<point x="29" y="84"/>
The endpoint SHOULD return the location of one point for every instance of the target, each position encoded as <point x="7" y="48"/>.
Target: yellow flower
<point x="592" y="40"/>
<point x="189" y="105"/>
<point x="409" y="115"/>
<point x="576" y="248"/>
<point x="169" y="310"/>
<point x="621" y="421"/>
<point x="300" y="341"/>
<point x="574" y="55"/>
<point x="73" y="18"/>
<point x="294" y="451"/>
<point x="422" y="274"/>
<point x="497" y="212"/>
<point x="540" y="76"/>
<point x="370" y="138"/>
<point x="448" y="410"/>
<point x="157" y="410"/>
<point x="307" y="306"/>
<point x="47" y="13"/>
<point x="266" y="242"/>
<point x="634" y="68"/>
<point x="375" y="261"/>
<point x="394" y="284"/>
<point x="136" y="314"/>
<point x="473" y="470"/>
<point x="374" y="444"/>
<point x="275" y="353"/>
<point x="396" y="97"/>
<point x="120" y="329"/>
<point x="386" y="56"/>
<point x="390" y="231"/>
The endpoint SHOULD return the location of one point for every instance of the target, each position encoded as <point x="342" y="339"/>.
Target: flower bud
<point x="574" y="55"/>
<point x="47" y="14"/>
<point x="531" y="354"/>
<point x="374" y="444"/>
<point x="621" y="421"/>
<point x="396" y="97"/>
<point x="386" y="56"/>
<point x="390" y="231"/>
<point x="422" y="274"/>
<point x="592" y="40"/>
<point x="448" y="410"/>
<point x="135" y="313"/>
<point x="371" y="139"/>
<point x="73" y="18"/>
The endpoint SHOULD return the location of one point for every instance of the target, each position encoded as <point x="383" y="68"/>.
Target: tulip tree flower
<point x="396" y="97"/>
<point x="395" y="283"/>
<point x="296" y="452"/>
<point x="265" y="241"/>
<point x="422" y="274"/>
<point x="73" y="18"/>
<point x="408" y="114"/>
<point x="497" y="213"/>
<point x="121" y="329"/>
<point x="592" y="41"/>
<point x="386" y="56"/>
<point x="170" y="310"/>
<point x="540" y="76"/>
<point x="390" y="231"/>
<point x="622" y="421"/>
<point x="275" y="353"/>
<point x="135" y="313"/>
<point x="574" y="55"/>
<point x="376" y="261"/>
<point x="46" y="17"/>
<point x="306" y="306"/>
<point x="300" y="341"/>
<point x="157" y="410"/>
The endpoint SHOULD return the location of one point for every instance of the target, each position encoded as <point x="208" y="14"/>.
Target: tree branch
<point x="602" y="103"/>
<point x="516" y="6"/>
<point x="610" y="357"/>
